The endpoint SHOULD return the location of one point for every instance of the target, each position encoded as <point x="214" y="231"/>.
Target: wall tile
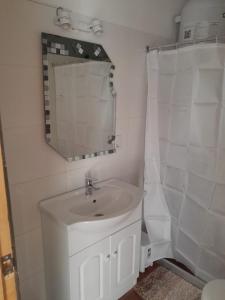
<point x="76" y="178"/>
<point x="28" y="156"/>
<point x="138" y="88"/>
<point x="23" y="29"/>
<point x="25" y="198"/>
<point x="136" y="138"/>
<point x="29" y="253"/>
<point x="33" y="287"/>
<point x="122" y="131"/>
<point x="21" y="96"/>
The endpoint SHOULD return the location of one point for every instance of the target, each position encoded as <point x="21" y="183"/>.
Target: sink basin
<point x="113" y="200"/>
<point x="105" y="203"/>
<point x="83" y="220"/>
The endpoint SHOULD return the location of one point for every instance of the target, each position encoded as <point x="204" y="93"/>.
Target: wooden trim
<point x="8" y="282"/>
<point x="5" y="237"/>
<point x="1" y="285"/>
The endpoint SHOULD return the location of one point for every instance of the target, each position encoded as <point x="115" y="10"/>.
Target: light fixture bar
<point x="48" y="5"/>
<point x="68" y="20"/>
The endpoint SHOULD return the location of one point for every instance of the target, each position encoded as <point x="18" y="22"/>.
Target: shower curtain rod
<point x="220" y="40"/>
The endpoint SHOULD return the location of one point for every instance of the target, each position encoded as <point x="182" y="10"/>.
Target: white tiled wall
<point x="35" y="170"/>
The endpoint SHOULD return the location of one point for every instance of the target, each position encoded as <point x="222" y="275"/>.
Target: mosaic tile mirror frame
<point x="79" y="97"/>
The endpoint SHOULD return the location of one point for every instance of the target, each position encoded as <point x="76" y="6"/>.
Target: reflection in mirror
<point x="79" y="101"/>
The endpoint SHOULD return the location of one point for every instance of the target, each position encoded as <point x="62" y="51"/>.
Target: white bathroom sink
<point x="105" y="207"/>
<point x="107" y="202"/>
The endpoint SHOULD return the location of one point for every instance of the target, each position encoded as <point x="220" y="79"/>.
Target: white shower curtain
<point x="184" y="206"/>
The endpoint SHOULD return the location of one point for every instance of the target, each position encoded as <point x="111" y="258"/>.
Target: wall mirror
<point x="79" y="97"/>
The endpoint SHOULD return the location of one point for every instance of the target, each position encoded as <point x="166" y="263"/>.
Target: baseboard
<point x="184" y="274"/>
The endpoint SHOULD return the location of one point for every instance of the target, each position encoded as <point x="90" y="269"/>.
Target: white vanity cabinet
<point x="125" y="249"/>
<point x="107" y="269"/>
<point x="92" y="244"/>
<point x="90" y="272"/>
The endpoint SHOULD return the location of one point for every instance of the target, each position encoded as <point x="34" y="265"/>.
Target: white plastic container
<point x="202" y="19"/>
<point x="153" y="251"/>
<point x="145" y="252"/>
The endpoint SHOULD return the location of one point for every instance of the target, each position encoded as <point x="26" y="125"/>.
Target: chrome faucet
<point x="89" y="186"/>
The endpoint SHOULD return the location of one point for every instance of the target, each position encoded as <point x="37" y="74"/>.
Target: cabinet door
<point x="90" y="273"/>
<point x="125" y="248"/>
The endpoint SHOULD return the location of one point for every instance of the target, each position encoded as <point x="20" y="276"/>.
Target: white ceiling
<point x="151" y="16"/>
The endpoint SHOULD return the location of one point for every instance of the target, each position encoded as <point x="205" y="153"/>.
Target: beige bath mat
<point x="163" y="284"/>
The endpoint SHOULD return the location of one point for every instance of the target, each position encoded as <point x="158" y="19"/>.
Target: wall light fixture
<point x="68" y="21"/>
